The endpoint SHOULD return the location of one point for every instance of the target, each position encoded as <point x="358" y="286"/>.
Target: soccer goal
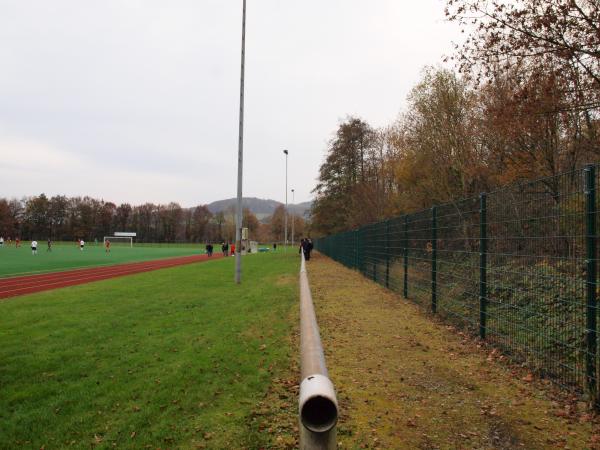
<point x="120" y="238"/>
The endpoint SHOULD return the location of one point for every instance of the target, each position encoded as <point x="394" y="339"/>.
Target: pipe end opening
<point x="319" y="414"/>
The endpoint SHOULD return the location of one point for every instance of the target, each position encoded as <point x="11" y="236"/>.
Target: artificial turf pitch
<point x="177" y="358"/>
<point x="20" y="261"/>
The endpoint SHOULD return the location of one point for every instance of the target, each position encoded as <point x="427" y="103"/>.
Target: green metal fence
<point x="517" y="266"/>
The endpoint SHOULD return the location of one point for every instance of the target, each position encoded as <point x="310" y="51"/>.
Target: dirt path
<point x="11" y="287"/>
<point x="404" y="381"/>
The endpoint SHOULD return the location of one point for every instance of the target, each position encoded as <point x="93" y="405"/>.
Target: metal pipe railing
<point x="318" y="406"/>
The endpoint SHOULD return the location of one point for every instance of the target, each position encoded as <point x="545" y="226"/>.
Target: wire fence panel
<point x="458" y="263"/>
<point x="517" y="266"/>
<point x="419" y="256"/>
<point x="536" y="284"/>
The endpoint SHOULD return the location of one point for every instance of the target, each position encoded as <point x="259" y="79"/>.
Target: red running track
<point x="12" y="287"/>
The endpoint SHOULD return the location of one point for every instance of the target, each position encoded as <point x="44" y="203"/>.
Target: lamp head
<point x="285" y="151"/>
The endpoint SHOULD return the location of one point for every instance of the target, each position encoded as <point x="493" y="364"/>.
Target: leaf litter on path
<point x="406" y="381"/>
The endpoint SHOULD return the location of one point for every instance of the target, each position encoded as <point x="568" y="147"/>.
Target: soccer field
<point x="20" y="261"/>
<point x="177" y="358"/>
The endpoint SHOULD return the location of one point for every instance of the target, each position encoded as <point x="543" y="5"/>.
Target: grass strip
<point x="177" y="358"/>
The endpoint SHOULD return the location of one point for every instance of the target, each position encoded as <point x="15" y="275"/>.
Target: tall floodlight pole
<point x="238" y="228"/>
<point x="293" y="218"/>
<point x="286" y="191"/>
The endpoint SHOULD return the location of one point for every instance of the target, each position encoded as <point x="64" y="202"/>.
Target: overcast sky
<point x="137" y="100"/>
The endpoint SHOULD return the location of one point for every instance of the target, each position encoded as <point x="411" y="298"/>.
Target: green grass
<point x="20" y="261"/>
<point x="176" y="358"/>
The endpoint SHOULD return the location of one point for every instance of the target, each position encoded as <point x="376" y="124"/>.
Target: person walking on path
<point x="304" y="248"/>
<point x="309" y="247"/>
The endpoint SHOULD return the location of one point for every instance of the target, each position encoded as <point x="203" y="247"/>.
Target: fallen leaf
<point x="528" y="378"/>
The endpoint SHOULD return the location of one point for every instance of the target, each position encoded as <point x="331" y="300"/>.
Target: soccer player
<point x="34" y="247"/>
<point x="1" y="242"/>
<point x="49" y="249"/>
<point x="107" y="246"/>
<point x="81" y="244"/>
<point x="17" y="242"/>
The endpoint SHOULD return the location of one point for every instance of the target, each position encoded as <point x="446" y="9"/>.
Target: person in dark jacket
<point x="309" y="248"/>
<point x="305" y="245"/>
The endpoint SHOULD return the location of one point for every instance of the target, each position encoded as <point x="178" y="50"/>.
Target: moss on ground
<point x="405" y="381"/>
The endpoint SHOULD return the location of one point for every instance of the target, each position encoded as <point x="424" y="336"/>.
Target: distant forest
<point x="68" y="218"/>
<point x="523" y="103"/>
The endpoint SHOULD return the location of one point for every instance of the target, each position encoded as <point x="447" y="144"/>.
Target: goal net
<point x="119" y="240"/>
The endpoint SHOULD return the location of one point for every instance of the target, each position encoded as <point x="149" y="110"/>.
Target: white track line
<point x="89" y="266"/>
<point x="79" y="280"/>
<point x="52" y="275"/>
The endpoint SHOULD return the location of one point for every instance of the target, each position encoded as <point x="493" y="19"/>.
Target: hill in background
<point x="260" y="207"/>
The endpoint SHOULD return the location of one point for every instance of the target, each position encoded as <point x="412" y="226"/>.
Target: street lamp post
<point x="293" y="218"/>
<point x="286" y="213"/>
<point x="238" y="228"/>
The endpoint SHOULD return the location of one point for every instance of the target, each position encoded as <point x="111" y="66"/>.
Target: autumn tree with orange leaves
<point x="522" y="104"/>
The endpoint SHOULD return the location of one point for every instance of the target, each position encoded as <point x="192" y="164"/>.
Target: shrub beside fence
<point x="517" y="266"/>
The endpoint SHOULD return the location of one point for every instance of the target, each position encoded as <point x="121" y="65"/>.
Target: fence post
<point x="482" y="264"/>
<point x="591" y="269"/>
<point x="405" y="256"/>
<point x="374" y="250"/>
<point x="434" y="259"/>
<point x="359" y="250"/>
<point x="387" y="254"/>
<point x="355" y="232"/>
